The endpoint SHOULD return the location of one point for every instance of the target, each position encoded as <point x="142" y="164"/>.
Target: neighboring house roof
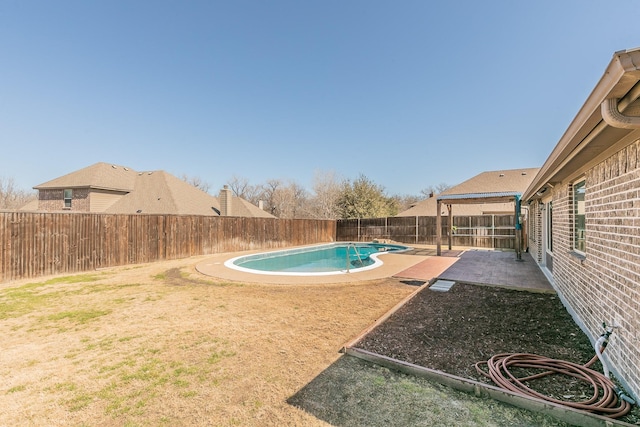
<point x="242" y="207"/>
<point x="159" y="192"/>
<point x="102" y="176"/>
<point x="30" y="206"/>
<point x="600" y="128"/>
<point x="150" y="192"/>
<point x="504" y="182"/>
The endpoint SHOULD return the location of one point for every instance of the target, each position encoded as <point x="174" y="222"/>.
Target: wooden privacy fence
<point x="37" y="244"/>
<point x="483" y="231"/>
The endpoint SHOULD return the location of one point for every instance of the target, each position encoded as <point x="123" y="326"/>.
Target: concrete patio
<point x="483" y="267"/>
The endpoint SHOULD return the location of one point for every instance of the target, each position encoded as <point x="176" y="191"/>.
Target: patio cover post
<point x="518" y="228"/>
<point x="450" y="209"/>
<point x="438" y="229"/>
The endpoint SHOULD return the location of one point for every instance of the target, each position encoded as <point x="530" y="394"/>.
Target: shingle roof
<point x="242" y="207"/>
<point x="152" y="192"/>
<point x="159" y="192"/>
<point x="496" y="181"/>
<point x="97" y="176"/>
<point x="507" y="182"/>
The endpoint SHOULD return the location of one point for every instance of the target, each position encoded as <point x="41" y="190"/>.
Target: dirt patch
<point x="159" y="344"/>
<point x="452" y="331"/>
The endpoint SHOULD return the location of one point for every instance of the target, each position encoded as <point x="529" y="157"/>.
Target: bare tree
<point x="241" y="188"/>
<point x="432" y="190"/>
<point x="197" y="182"/>
<point x="407" y="201"/>
<point x="323" y="204"/>
<point x="268" y="194"/>
<point x="290" y="200"/>
<point x="12" y="197"/>
<point x="332" y="197"/>
<point x="284" y="200"/>
<point x="443" y="186"/>
<point x="427" y="193"/>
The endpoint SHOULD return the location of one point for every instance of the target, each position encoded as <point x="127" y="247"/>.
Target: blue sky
<point x="408" y="93"/>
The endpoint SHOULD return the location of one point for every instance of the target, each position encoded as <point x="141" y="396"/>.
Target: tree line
<point x="12" y="197"/>
<point x="330" y="197"/>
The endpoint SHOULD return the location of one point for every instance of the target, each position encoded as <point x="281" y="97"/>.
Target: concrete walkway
<point x="430" y="268"/>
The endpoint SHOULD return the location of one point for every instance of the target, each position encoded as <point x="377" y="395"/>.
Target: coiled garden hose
<point x="607" y="398"/>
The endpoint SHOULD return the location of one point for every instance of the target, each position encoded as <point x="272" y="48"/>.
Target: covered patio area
<point x="476" y="198"/>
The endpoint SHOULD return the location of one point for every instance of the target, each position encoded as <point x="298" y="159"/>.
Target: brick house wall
<point x="535" y="232"/>
<point x="53" y="200"/>
<point x="604" y="284"/>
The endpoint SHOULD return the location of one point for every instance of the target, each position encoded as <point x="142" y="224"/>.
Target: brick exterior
<point x="603" y="285"/>
<point x="53" y="200"/>
<point x="535" y="232"/>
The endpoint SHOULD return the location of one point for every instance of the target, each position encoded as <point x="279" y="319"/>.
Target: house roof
<point x="501" y="183"/>
<point x="159" y="192"/>
<point x="30" y="206"/>
<point x="242" y="207"/>
<point x="151" y="192"/>
<point x="589" y="137"/>
<point x="102" y="176"/>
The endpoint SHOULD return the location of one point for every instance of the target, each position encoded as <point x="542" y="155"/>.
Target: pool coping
<point x="376" y="262"/>
<point x="392" y="264"/>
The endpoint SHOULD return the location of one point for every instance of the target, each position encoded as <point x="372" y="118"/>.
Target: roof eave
<point x="478" y="198"/>
<point x="90" y="187"/>
<point x="622" y="73"/>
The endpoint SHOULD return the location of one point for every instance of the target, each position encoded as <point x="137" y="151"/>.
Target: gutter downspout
<point x="518" y="227"/>
<point x="614" y="118"/>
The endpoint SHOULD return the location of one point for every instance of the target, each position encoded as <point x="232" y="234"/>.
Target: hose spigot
<point x="608" y="330"/>
<point x="624" y="396"/>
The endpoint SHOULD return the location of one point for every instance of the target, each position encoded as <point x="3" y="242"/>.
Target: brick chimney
<point x="226" y="201"/>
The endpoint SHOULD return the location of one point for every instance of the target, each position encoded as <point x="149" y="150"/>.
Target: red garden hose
<point x="607" y="399"/>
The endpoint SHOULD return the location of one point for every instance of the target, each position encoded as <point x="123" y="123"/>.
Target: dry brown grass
<point x="160" y="344"/>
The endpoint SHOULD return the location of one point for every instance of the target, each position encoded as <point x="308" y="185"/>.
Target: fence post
<point x="386" y="229"/>
<point x="417" y="230"/>
<point x="493" y="231"/>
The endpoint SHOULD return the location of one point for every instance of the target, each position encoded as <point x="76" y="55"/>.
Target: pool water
<point x="333" y="258"/>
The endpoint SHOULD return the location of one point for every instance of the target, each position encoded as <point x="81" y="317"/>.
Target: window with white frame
<point x="549" y="223"/>
<point x="68" y="195"/>
<point x="579" y="229"/>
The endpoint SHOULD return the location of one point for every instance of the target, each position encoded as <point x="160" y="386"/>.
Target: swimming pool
<point x="333" y="258"/>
